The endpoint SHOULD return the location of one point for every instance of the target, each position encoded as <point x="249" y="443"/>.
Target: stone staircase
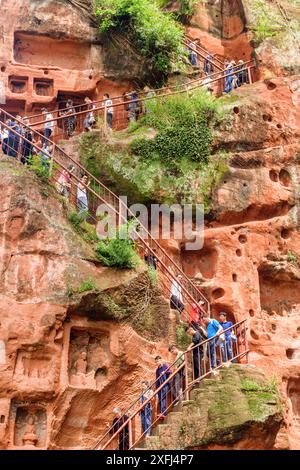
<point x="218" y="411"/>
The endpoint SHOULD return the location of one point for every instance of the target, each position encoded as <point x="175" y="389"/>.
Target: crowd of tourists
<point x="236" y="74"/>
<point x="212" y="341"/>
<point x="16" y="140"/>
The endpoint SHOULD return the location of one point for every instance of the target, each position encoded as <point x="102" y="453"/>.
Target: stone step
<point x="158" y="429"/>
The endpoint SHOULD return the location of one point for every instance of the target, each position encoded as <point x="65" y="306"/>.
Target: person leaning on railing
<point x="230" y="338"/>
<point x="177" y="381"/>
<point x="198" y="336"/>
<point x="123" y="436"/>
<point x="162" y="374"/>
<point x="146" y="412"/>
<point x="176" y="300"/>
<point x="214" y="333"/>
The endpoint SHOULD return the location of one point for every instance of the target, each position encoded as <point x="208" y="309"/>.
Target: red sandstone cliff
<point x="249" y="265"/>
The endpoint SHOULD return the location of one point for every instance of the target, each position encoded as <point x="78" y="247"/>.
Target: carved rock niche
<point x="30" y="428"/>
<point x="36" y="365"/>
<point x="89" y="357"/>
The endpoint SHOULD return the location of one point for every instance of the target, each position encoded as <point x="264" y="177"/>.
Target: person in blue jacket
<point x="146" y="412"/>
<point x="162" y="374"/>
<point x="213" y="330"/>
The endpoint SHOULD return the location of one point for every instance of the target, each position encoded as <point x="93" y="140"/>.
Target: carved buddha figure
<point x="30" y="437"/>
<point x="81" y="364"/>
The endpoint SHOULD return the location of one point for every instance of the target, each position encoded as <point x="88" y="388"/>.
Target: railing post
<point x="129" y="433"/>
<point x="249" y="75"/>
<point x="186" y="370"/>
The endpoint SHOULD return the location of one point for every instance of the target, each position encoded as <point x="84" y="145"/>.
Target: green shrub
<point x="183" y="340"/>
<point x="82" y="227"/>
<point x="118" y="250"/>
<point x="153" y="276"/>
<point x="155" y="33"/>
<point x="183" y="123"/>
<point x="292" y="258"/>
<point x="42" y="171"/>
<point x="268" y="22"/>
<point x="86" y="286"/>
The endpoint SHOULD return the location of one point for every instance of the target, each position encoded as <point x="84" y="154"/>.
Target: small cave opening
<point x="291" y="353"/>
<point x="101" y="372"/>
<point x="267" y="118"/>
<point x="271" y="86"/>
<point x="236" y="110"/>
<point x="254" y="335"/>
<point x="2" y="419"/>
<point x="285" y="178"/>
<point x="238" y="252"/>
<point x="274" y="176"/>
<point x="234" y="277"/>
<point x="286" y="233"/>
<point x="243" y="239"/>
<point x="218" y="293"/>
<point x="251" y="312"/>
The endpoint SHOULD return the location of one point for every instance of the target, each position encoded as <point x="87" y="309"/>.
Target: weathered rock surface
<point x="239" y="410"/>
<point x="51" y="51"/>
<point x="47" y="388"/>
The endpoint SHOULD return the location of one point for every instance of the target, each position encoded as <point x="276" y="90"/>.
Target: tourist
<point x="177" y="381"/>
<point x="146" y="413"/>
<point x="150" y="259"/>
<point x="63" y="184"/>
<point x="70" y="121"/>
<point x="162" y="374"/>
<point x="45" y="156"/>
<point x="195" y="315"/>
<point x="27" y="146"/>
<point x="242" y="73"/>
<point x="192" y="50"/>
<point x="133" y="109"/>
<point x="214" y="331"/>
<point x="49" y="124"/>
<point x="176" y="300"/>
<point x="14" y="137"/>
<point x="82" y="199"/>
<point x="123" y="435"/>
<point x="228" y="77"/>
<point x="198" y="336"/>
<point x="226" y="346"/>
<point x="90" y="119"/>
<point x="4" y="138"/>
<point x="208" y="67"/>
<point x="109" y="110"/>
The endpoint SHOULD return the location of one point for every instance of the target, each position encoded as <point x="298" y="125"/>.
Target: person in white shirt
<point x="82" y="198"/>
<point x="176" y="300"/>
<point x="49" y="123"/>
<point x="109" y="110"/>
<point x="90" y="119"/>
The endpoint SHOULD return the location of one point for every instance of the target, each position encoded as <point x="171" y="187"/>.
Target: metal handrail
<point x="189" y="384"/>
<point x="217" y="76"/>
<point x="156" y="90"/>
<point x="190" y="292"/>
<point x="204" y="50"/>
